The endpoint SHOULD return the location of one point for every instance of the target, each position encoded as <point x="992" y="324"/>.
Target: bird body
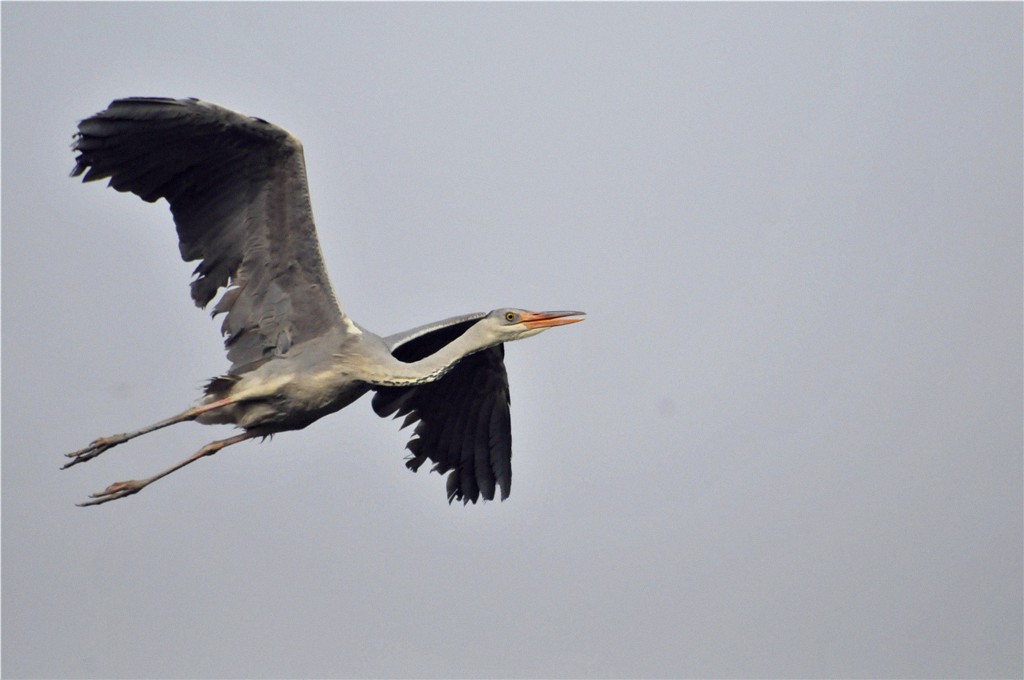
<point x="315" y="378"/>
<point x="236" y="186"/>
<point x="290" y="391"/>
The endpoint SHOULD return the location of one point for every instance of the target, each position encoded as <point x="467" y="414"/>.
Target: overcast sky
<point x="786" y="442"/>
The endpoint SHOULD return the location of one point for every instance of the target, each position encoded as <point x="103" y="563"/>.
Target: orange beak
<point x="533" y="320"/>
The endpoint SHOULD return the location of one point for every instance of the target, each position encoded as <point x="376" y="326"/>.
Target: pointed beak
<point x="535" y="320"/>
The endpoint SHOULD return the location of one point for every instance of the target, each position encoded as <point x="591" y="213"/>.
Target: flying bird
<point x="236" y="186"/>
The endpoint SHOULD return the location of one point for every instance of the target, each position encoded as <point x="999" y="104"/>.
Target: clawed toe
<point x="115" y="491"/>
<point x="92" y="450"/>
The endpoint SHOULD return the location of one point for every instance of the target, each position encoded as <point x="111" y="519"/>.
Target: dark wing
<point x="237" y="189"/>
<point x="464" y="426"/>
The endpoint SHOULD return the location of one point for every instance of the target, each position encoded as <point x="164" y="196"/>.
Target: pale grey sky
<point x="786" y="442"/>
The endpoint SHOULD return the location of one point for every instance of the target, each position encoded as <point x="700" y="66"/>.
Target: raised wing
<point x="464" y="426"/>
<point x="237" y="189"/>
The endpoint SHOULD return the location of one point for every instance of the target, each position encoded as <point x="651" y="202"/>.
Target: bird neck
<point x="428" y="369"/>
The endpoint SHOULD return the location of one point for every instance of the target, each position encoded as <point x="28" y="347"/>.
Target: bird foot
<point x="94" y="449"/>
<point x="115" y="491"/>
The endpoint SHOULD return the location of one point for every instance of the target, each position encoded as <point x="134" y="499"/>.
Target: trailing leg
<point x="103" y="443"/>
<point x="122" y="489"/>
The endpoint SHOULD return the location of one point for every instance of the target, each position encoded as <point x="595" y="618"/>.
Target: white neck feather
<point x="397" y="373"/>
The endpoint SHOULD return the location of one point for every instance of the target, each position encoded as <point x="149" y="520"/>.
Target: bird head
<point x="515" y="324"/>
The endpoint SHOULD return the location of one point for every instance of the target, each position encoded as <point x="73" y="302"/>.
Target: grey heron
<point x="236" y="186"/>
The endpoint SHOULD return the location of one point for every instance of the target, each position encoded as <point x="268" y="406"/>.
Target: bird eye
<point x="510" y="316"/>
